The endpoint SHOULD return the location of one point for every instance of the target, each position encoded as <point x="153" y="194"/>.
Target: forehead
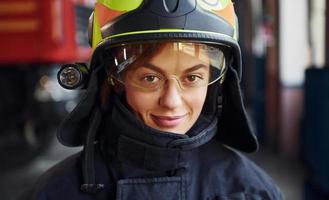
<point x="190" y="50"/>
<point x="168" y="55"/>
<point x="182" y="55"/>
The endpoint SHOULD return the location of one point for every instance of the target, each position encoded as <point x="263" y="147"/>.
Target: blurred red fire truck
<point x="36" y="37"/>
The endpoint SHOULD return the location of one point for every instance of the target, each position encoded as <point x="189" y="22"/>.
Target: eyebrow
<point x="194" y="68"/>
<point x="191" y="69"/>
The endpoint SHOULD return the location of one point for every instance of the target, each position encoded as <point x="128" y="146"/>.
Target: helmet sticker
<point x="213" y="4"/>
<point x="105" y="14"/>
<point x="222" y="8"/>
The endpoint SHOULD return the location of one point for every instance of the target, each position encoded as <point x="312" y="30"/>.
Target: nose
<point x="171" y="96"/>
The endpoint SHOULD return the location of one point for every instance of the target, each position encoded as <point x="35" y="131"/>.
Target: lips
<point x="168" y="121"/>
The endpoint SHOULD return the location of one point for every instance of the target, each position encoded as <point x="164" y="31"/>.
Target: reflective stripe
<point x="165" y="31"/>
<point x="19" y="25"/>
<point x="96" y="32"/>
<point x="56" y="17"/>
<point x="17" y="7"/>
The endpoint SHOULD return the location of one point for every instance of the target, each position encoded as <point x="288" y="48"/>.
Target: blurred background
<point x="285" y="82"/>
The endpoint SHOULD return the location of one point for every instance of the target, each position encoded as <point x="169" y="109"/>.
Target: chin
<point x="173" y="126"/>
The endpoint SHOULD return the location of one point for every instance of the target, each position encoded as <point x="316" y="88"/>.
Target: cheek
<point x="138" y="101"/>
<point x="197" y="101"/>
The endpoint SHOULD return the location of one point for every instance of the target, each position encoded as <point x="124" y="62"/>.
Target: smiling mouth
<point x="168" y="121"/>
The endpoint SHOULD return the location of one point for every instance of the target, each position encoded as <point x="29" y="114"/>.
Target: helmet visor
<point x="148" y="66"/>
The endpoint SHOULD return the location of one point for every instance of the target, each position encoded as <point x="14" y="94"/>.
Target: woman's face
<point x="170" y="108"/>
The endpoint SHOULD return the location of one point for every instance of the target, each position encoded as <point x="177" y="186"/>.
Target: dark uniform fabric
<point x="136" y="162"/>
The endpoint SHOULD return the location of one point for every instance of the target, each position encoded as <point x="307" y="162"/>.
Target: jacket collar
<point x="132" y="142"/>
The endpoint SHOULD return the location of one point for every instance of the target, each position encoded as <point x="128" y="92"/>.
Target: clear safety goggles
<point x="149" y="66"/>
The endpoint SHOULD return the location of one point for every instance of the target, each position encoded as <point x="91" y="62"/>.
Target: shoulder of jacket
<point x="65" y="174"/>
<point x="233" y="169"/>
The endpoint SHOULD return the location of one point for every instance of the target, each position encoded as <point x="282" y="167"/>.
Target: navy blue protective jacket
<point x="135" y="162"/>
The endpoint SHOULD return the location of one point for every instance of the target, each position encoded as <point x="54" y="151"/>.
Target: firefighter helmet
<point x="124" y="21"/>
<point x="117" y="22"/>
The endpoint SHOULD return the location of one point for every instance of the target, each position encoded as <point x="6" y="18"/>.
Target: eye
<point x="193" y="78"/>
<point x="150" y="78"/>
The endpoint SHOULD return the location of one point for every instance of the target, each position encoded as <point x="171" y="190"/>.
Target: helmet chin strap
<point x="219" y="102"/>
<point x="90" y="185"/>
